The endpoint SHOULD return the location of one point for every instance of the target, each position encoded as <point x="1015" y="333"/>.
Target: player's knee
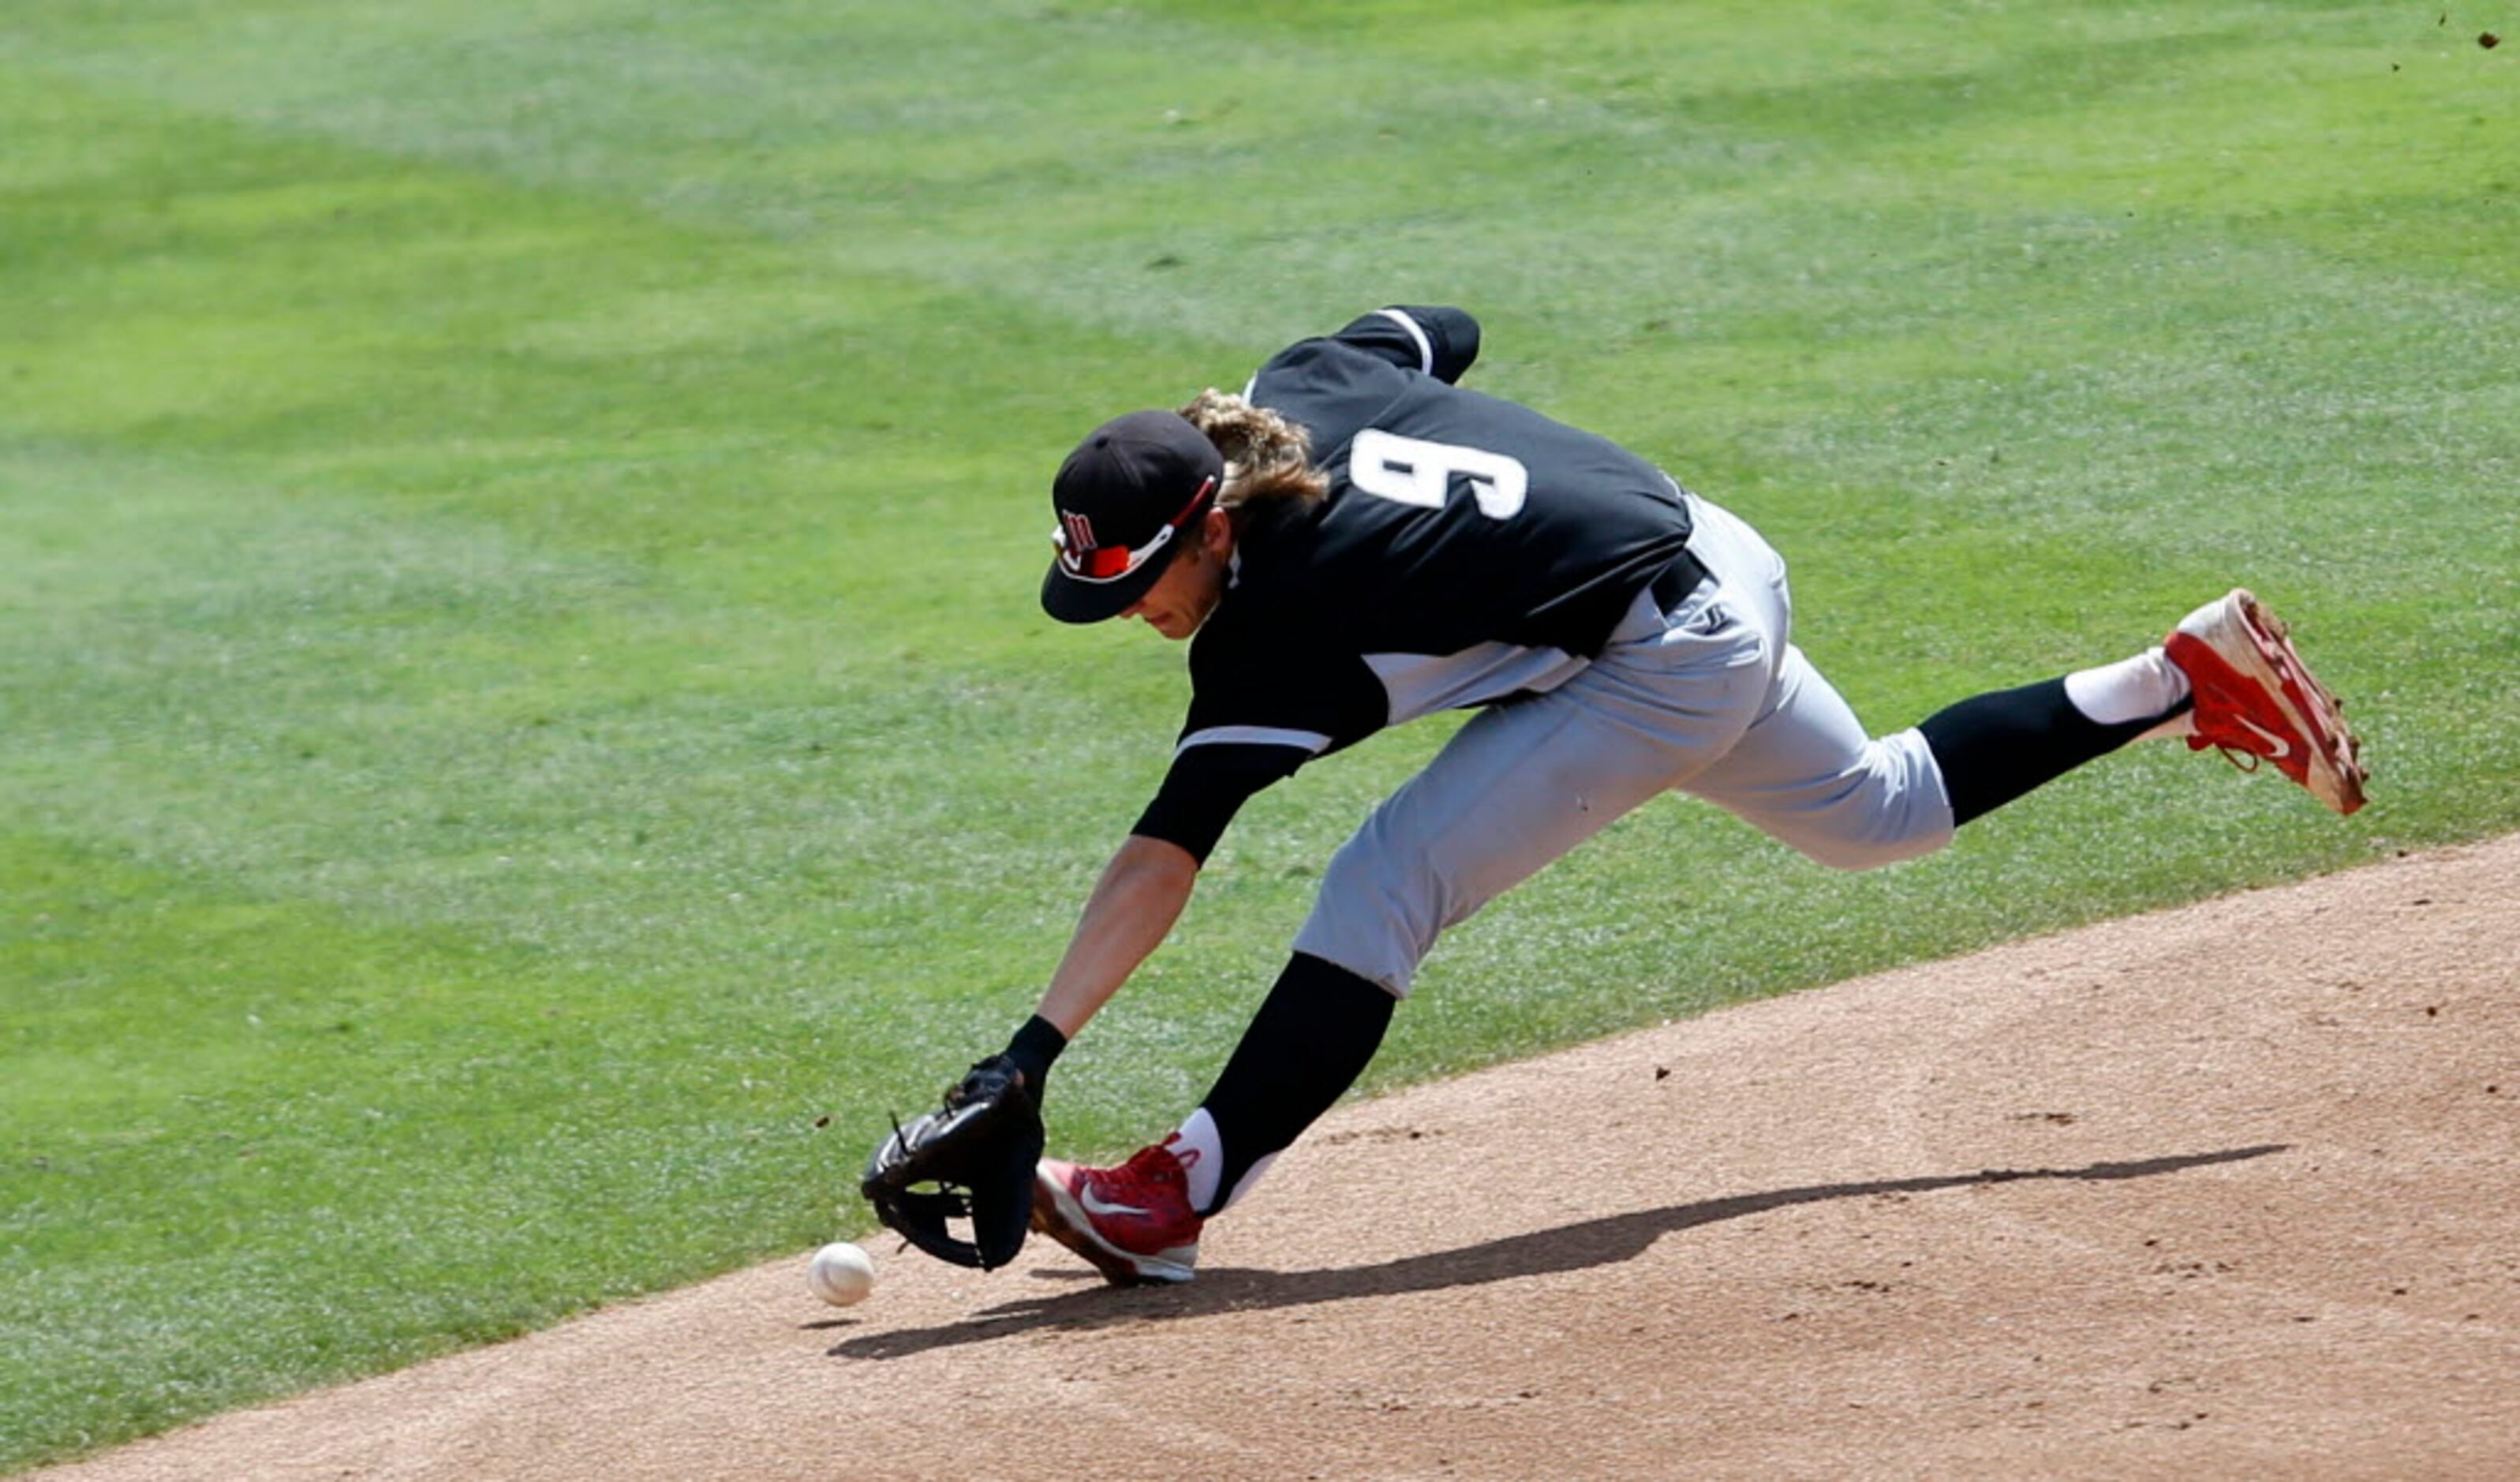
<point x="1878" y="829"/>
<point x="1374" y="918"/>
<point x="1890" y="808"/>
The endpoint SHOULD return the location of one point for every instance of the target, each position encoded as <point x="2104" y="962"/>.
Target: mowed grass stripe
<point x="334" y="772"/>
<point x="505" y="515"/>
<point x="253" y="1143"/>
<point x="1839" y="342"/>
<point x="1122" y="140"/>
<point x="573" y="490"/>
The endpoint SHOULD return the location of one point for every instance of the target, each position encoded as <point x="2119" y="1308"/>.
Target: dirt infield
<point x="2228" y="1190"/>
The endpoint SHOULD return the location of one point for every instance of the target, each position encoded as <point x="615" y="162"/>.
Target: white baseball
<point x="841" y="1274"/>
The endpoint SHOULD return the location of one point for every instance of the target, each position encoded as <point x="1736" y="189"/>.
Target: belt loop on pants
<point x="1678" y="580"/>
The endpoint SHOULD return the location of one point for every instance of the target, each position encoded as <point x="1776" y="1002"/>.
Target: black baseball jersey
<point x="1470" y="549"/>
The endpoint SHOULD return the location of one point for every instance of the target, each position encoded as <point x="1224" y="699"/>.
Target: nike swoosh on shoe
<point x="2282" y="748"/>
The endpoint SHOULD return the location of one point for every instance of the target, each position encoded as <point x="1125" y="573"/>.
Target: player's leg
<point x="1808" y="775"/>
<point x="1804" y="770"/>
<point x="1140" y="1221"/>
<point x="1807" y="772"/>
<point x="1314" y="1035"/>
<point x="1994" y="747"/>
<point x="2226" y="676"/>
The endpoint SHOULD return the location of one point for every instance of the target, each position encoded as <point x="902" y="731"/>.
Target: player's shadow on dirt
<point x="1542" y="1252"/>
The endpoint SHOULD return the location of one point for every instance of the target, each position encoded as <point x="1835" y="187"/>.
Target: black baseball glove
<point x="971" y="1160"/>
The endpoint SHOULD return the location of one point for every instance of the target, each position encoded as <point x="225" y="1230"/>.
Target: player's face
<point x="1191" y="587"/>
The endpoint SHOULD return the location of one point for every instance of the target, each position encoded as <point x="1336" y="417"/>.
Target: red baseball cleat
<point x="1133" y="1222"/>
<point x="2256" y="697"/>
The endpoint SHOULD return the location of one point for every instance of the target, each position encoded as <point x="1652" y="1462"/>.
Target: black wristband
<point x="1034" y="1047"/>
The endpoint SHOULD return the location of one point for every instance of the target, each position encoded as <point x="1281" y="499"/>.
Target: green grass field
<point x="526" y="726"/>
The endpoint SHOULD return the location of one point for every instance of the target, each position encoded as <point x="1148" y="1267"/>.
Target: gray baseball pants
<point x="1711" y="698"/>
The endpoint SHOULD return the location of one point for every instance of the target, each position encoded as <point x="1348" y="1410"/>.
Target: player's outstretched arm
<point x="1131" y="911"/>
<point x="975" y="1156"/>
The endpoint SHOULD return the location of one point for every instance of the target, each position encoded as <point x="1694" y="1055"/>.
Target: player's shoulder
<point x="1321" y="369"/>
<point x="1404" y="339"/>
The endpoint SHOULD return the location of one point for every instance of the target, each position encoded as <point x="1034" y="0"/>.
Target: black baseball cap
<point x="1124" y="498"/>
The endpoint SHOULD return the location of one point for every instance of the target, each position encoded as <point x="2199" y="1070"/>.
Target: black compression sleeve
<point x="1314" y="1035"/>
<point x="1206" y="786"/>
<point x="1994" y="747"/>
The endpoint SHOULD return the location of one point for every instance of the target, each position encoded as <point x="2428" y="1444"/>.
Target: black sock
<point x="1312" y="1038"/>
<point x="1994" y="747"/>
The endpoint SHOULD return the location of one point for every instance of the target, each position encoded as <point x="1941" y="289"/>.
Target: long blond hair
<point x="1268" y="460"/>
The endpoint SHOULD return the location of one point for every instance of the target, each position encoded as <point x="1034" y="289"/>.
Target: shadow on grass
<point x="1568" y="1247"/>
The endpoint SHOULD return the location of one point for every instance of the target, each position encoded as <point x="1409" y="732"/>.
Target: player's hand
<point x="971" y="1160"/>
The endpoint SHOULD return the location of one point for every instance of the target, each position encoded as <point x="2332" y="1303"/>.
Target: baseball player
<point x="1357" y="540"/>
